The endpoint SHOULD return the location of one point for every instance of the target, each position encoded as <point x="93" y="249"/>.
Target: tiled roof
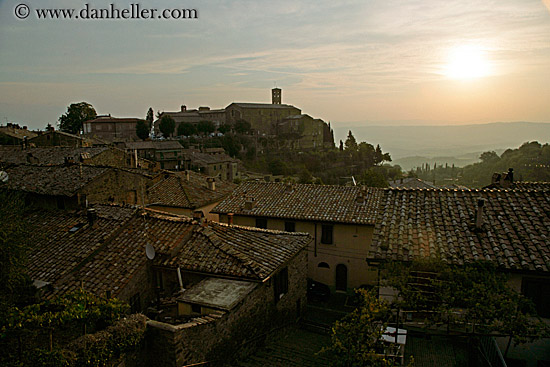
<point x="219" y="249"/>
<point x="204" y="158"/>
<point x="17" y="132"/>
<point x="65" y="250"/>
<point x="51" y="180"/>
<point x="441" y="223"/>
<point x="262" y="105"/>
<point x="61" y="244"/>
<point x="304" y="202"/>
<point x="520" y="185"/>
<point x="156" y="144"/>
<point x="46" y="155"/>
<point x="411" y="183"/>
<point x="110" y="119"/>
<point x="177" y="191"/>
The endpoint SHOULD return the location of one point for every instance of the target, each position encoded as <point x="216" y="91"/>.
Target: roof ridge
<point x="217" y="242"/>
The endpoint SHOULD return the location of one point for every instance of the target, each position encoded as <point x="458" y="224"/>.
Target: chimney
<point x="360" y="198"/>
<point x="187" y="175"/>
<point x="249" y="204"/>
<point x="230" y="219"/>
<point x="288" y="188"/>
<point x="25" y="142"/>
<point x="211" y="181"/>
<point x="183" y="108"/>
<point x="509" y="178"/>
<point x="198" y="215"/>
<point x="92" y="217"/>
<point x="479" y="213"/>
<point x="495" y="180"/>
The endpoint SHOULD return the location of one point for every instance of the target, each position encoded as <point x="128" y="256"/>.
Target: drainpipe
<point x="180" y="281"/>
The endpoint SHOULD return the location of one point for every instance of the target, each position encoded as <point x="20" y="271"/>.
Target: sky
<point x="348" y="62"/>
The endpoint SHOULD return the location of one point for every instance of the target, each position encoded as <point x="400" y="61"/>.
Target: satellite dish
<point x="3" y="176"/>
<point x="149" y="251"/>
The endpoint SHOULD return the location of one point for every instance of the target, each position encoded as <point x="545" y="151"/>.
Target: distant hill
<point x="458" y="144"/>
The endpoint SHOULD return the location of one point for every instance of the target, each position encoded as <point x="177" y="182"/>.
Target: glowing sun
<point x="467" y="62"/>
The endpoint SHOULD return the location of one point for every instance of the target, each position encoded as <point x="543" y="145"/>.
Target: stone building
<point x="238" y="283"/>
<point x="96" y="156"/>
<point x="13" y="134"/>
<point x="339" y="218"/>
<point x="508" y="227"/>
<point x="212" y="163"/>
<point x="168" y="153"/>
<point x="192" y="116"/>
<point x="71" y="186"/>
<point x="186" y="192"/>
<point x="56" y="138"/>
<point x="112" y="129"/>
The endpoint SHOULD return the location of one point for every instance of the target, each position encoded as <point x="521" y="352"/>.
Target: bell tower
<point x="276" y="96"/>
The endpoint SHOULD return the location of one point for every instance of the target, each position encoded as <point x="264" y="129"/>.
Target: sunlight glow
<point x="467" y="62"/>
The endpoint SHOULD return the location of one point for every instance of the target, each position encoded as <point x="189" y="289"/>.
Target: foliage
<point x="167" y="125"/>
<point x="15" y="286"/>
<point x="142" y="130"/>
<point x="224" y="128"/>
<point x="530" y="163"/>
<point x="79" y="309"/>
<point x="356" y="338"/>
<point x="474" y="297"/>
<point x="351" y="143"/>
<point x="373" y="178"/>
<point x="150" y="116"/>
<point x="242" y="127"/>
<point x="206" y="127"/>
<point x="186" y="129"/>
<point x="76" y="115"/>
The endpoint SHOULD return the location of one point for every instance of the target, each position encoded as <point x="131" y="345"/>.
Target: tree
<point x="356" y="338"/>
<point x="167" y="125"/>
<point x="142" y="130"/>
<point x="242" y="127"/>
<point x="150" y="116"/>
<point x="76" y="115"/>
<point x="186" y="129"/>
<point x="351" y="143"/>
<point x="15" y="285"/>
<point x="224" y="128"/>
<point x="489" y="157"/>
<point x="486" y="303"/>
<point x="206" y="127"/>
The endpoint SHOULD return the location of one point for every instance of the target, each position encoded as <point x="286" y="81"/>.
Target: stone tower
<point x="276" y="96"/>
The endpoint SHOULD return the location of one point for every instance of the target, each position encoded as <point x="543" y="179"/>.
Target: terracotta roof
<point x="219" y="249"/>
<point x="51" y="180"/>
<point x="177" y="191"/>
<point x="411" y="183"/>
<point x="110" y="119"/>
<point x="64" y="250"/>
<point x="525" y="185"/>
<point x="18" y="133"/>
<point x="441" y="223"/>
<point x="304" y="202"/>
<point x="205" y="158"/>
<point x="262" y="105"/>
<point x="155" y="144"/>
<point x="61" y="244"/>
<point x="46" y="155"/>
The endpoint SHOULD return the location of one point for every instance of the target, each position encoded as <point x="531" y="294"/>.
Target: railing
<point x="489" y="350"/>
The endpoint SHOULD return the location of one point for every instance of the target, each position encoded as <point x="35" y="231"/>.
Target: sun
<point x="467" y="62"/>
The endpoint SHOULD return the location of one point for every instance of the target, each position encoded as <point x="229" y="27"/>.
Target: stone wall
<point x="219" y="337"/>
<point x="118" y="186"/>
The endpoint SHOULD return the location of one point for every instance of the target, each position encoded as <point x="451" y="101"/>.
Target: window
<point x="323" y="265"/>
<point x="261" y="223"/>
<point x="326" y="234"/>
<point x="538" y="291"/>
<point x="195" y="308"/>
<point x="290" y="226"/>
<point x="280" y="284"/>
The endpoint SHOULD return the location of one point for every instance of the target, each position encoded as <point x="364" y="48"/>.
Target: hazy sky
<point x="429" y="61"/>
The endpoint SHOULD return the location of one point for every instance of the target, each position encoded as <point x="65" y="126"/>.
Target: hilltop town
<point x="237" y="236"/>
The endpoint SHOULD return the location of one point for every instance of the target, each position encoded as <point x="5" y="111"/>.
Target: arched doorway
<point x="341" y="277"/>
